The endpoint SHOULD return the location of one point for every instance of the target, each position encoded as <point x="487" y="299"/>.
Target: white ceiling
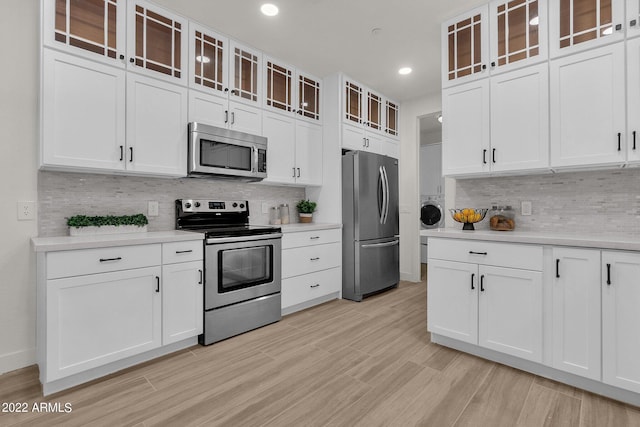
<point x="325" y="36"/>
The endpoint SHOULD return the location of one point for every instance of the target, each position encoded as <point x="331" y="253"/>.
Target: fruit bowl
<point x="468" y="216"/>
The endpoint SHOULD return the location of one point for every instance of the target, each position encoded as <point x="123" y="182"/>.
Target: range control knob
<point x="187" y="205"/>
<point x="235" y="205"/>
<point x="197" y="204"/>
<point x="241" y="205"/>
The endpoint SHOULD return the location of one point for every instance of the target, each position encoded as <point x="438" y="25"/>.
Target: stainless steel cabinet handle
<point x="315" y="286"/>
<point x="110" y="259"/>
<point x="382" y="245"/>
<point x="184" y="252"/>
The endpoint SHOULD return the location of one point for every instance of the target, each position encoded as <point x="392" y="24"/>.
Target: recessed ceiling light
<point x="269" y="9"/>
<point x="405" y="70"/>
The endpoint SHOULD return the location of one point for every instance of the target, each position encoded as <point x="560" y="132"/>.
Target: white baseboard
<point x="17" y="360"/>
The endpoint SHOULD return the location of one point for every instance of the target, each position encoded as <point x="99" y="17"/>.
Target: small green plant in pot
<point x="306" y="209"/>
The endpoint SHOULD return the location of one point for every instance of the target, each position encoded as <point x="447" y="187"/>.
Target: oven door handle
<point x="217" y="240"/>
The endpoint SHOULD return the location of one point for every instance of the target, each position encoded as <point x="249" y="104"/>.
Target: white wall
<point x="19" y="86"/>
<point x="410" y="183"/>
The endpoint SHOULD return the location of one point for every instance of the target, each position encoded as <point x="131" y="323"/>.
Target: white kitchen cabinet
<point x="633" y="18"/>
<point x="219" y="111"/>
<point x="520" y="119"/>
<point x="77" y="131"/>
<point x="96" y="319"/>
<point x="587" y="106"/>
<point x="576" y="319"/>
<point x="311" y="272"/>
<point x="182" y="301"/>
<point x="465" y="129"/>
<point x="156" y="127"/>
<point x="620" y="319"/>
<point x="633" y="101"/>
<point x="295" y="148"/>
<point x="577" y="25"/>
<point x="452" y="303"/>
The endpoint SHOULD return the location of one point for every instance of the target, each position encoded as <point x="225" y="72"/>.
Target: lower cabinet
<point x="182" y="301"/>
<point x="621" y="319"/>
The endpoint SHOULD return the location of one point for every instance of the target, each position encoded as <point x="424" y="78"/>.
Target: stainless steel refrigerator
<point x="370" y="233"/>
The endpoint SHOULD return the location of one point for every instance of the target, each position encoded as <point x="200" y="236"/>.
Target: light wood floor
<point x="338" y="364"/>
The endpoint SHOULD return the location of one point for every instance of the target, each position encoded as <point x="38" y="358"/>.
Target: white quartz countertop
<point x="600" y="241"/>
<point x="65" y="243"/>
<point x="300" y="226"/>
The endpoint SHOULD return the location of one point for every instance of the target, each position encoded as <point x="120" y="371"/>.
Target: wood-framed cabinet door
<point x="209" y="56"/>
<point x="465" y="129"/>
<point x="516" y="295"/>
<point x="182" y="301"/>
<point x="93" y="29"/>
<point x="465" y="47"/>
<point x="245" y="74"/>
<point x="452" y="299"/>
<point x="633" y="100"/>
<point x="577" y="25"/>
<point x="157" y="42"/>
<point x="576" y="318"/>
<point x="587" y="106"/>
<point x="156" y="127"/>
<point x="77" y="131"/>
<point x="518" y="33"/>
<point x="620" y="320"/>
<point x="520" y="119"/>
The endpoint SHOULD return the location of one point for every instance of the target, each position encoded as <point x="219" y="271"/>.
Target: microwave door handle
<point x="255" y="159"/>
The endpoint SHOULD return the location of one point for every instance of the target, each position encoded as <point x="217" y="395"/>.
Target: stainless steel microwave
<point x="224" y="153"/>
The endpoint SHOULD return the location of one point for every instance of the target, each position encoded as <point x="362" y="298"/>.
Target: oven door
<point x="241" y="270"/>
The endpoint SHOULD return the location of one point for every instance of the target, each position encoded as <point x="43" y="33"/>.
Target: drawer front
<point x="511" y="255"/>
<point x="306" y="238"/>
<point x="102" y="260"/>
<point x="310" y="258"/>
<point x="182" y="251"/>
<point x="299" y="289"/>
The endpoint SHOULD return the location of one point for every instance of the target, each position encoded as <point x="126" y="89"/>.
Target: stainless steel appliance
<point x="223" y="153"/>
<point x="370" y="239"/>
<point x="242" y="265"/>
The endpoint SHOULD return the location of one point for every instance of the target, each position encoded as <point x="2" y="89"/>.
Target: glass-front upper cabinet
<point x="391" y="124"/>
<point x="308" y="96"/>
<point x="91" y="28"/>
<point x="633" y="18"/>
<point x="209" y="64"/>
<point x="353" y="96"/>
<point x="518" y="33"/>
<point x="374" y="111"/>
<point x="157" y="41"/>
<point x="291" y="91"/>
<point x="245" y="65"/>
<point x="465" y="49"/>
<point x="582" y="24"/>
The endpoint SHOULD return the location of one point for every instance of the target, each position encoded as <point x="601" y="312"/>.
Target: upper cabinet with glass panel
<point x="363" y="107"/>
<point x="581" y="24"/>
<point x="90" y="28"/>
<point x="518" y="33"/>
<point x="288" y="90"/>
<point x="633" y="18"/>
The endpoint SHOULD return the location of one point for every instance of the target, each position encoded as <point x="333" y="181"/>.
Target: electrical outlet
<point x="26" y="211"/>
<point x="525" y="208"/>
<point x="152" y="209"/>
<point x="265" y="208"/>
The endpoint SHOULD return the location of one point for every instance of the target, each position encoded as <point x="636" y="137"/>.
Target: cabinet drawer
<point x="101" y="260"/>
<point x="310" y="258"/>
<point x="511" y="255"/>
<point x="296" y="290"/>
<point x="306" y="238"/>
<point x="181" y="251"/>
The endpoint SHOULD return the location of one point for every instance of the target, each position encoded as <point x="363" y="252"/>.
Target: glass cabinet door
<point x="308" y="97"/>
<point x="466" y="47"/>
<point x="95" y="26"/>
<point x="391" y="124"/>
<point x="209" y="60"/>
<point x="353" y="103"/>
<point x="157" y="41"/>
<point x="374" y="111"/>
<point x="279" y="87"/>
<point x="245" y="74"/>
<point x="518" y="32"/>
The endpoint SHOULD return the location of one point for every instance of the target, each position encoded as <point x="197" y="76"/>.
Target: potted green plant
<point x="82" y="225"/>
<point x="306" y="209"/>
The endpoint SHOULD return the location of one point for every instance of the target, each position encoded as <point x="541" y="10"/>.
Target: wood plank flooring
<point x="338" y="364"/>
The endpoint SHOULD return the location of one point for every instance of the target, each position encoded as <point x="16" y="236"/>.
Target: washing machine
<point x="431" y="216"/>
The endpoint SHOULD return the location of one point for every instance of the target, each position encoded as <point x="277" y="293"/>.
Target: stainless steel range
<point x="242" y="265"/>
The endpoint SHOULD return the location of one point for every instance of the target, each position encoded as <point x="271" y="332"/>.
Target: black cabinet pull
<point x="315" y="286"/>
<point x="478" y="253"/>
<point x="121" y="152"/>
<point x="314" y="259"/>
<point x="493" y="64"/>
<point x="557" y="268"/>
<point x="201" y="277"/>
<point x="473" y="276"/>
<point x="298" y="172"/>
<point x="226" y="116"/>
<point x="132" y="60"/>
<point x="634" y="139"/>
<point x="619" y="137"/>
<point x="482" y="283"/>
<point x="484" y="157"/>
<point x="493" y="155"/>
<point x="608" y="274"/>
<point x="184" y="252"/>
<point x="121" y="56"/>
<point x="110" y="259"/>
<point x="131" y="152"/>
<point x="157" y="283"/>
<point x="484" y="66"/>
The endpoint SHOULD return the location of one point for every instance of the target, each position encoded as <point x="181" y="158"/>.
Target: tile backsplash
<point x="605" y="201"/>
<point x="63" y="194"/>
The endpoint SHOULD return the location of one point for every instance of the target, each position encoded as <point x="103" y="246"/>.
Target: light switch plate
<point x="525" y="208"/>
<point x="26" y="211"/>
<point x="152" y="209"/>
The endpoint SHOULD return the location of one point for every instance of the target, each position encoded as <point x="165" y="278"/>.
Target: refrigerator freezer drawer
<point x="376" y="267"/>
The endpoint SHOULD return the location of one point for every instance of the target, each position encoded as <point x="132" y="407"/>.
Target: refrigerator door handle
<point x="381" y="203"/>
<point x="386" y="192"/>
<point x="381" y="245"/>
